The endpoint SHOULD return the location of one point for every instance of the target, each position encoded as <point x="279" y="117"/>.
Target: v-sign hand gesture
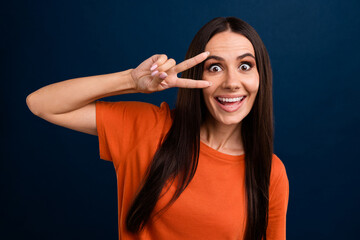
<point x="158" y="73"/>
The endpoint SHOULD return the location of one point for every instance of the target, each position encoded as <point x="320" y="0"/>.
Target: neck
<point x="223" y="138"/>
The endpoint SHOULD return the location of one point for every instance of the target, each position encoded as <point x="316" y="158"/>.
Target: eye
<point x="214" y="68"/>
<point x="245" y="66"/>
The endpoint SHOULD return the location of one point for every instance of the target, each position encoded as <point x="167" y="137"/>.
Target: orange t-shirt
<point x="213" y="206"/>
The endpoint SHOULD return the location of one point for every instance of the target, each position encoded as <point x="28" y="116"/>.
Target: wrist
<point x="130" y="79"/>
<point x="125" y="82"/>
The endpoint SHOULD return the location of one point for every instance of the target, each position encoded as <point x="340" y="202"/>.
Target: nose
<point x="232" y="81"/>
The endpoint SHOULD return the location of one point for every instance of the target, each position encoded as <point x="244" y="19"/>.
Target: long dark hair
<point x="178" y="155"/>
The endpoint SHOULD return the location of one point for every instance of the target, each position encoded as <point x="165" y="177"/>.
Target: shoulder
<point x="278" y="177"/>
<point x="123" y="125"/>
<point x="277" y="166"/>
<point x="132" y="112"/>
<point x="131" y="107"/>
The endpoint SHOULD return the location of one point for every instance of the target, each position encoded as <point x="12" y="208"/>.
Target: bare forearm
<point x="75" y="93"/>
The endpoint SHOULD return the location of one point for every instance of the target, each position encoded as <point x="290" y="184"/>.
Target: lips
<point x="230" y="104"/>
<point x="224" y="100"/>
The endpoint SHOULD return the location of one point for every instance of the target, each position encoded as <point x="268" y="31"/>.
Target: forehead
<point x="229" y="43"/>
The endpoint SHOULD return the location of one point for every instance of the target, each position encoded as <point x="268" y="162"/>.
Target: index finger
<point x="189" y="63"/>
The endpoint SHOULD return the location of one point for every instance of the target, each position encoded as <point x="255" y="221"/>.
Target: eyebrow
<point x="221" y="59"/>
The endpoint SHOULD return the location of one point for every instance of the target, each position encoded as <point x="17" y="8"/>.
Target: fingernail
<point x="210" y="83"/>
<point x="153" y="67"/>
<point x="154" y="73"/>
<point x="207" y="52"/>
<point x="163" y="75"/>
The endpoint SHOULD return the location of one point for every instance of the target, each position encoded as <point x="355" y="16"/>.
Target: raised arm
<point x="71" y="103"/>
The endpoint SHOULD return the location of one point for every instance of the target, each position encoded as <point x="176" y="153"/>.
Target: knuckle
<point x="167" y="65"/>
<point x="172" y="61"/>
<point x="161" y="69"/>
<point x="154" y="57"/>
<point x="163" y="57"/>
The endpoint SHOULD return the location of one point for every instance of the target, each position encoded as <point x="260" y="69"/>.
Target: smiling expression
<point x="231" y="67"/>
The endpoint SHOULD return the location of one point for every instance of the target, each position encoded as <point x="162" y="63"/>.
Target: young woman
<point x="205" y="170"/>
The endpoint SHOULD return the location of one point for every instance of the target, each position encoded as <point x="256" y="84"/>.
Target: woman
<point x="205" y="170"/>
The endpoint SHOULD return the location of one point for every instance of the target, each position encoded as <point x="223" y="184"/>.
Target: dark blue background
<point x="53" y="184"/>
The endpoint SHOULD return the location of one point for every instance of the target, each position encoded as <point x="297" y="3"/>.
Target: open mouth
<point x="229" y="104"/>
<point x="230" y="101"/>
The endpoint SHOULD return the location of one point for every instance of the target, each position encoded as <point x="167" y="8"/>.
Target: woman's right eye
<point x="214" y="68"/>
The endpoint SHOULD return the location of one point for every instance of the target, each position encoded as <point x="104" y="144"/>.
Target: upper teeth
<point x="230" y="99"/>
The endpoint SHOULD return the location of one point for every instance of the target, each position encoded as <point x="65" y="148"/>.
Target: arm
<point x="71" y="103"/>
<point x="278" y="201"/>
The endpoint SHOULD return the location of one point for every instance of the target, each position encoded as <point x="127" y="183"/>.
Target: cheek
<point x="208" y="92"/>
<point x="205" y="94"/>
<point x="253" y="85"/>
<point x="208" y="96"/>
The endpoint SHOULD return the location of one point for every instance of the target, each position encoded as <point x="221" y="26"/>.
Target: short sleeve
<point x="120" y="126"/>
<point x="278" y="200"/>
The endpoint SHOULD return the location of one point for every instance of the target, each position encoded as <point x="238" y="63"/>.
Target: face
<point x="231" y="67"/>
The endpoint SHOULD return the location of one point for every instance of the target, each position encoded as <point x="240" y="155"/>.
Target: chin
<point x="229" y="120"/>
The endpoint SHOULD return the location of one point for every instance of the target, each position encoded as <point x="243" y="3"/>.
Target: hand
<point x="158" y="73"/>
